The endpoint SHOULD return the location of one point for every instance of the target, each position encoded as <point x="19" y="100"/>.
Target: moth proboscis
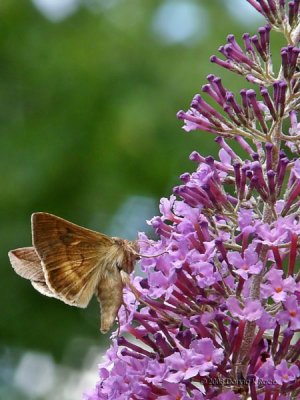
<point x="71" y="263"/>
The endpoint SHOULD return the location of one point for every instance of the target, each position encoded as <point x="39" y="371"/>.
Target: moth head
<point x="127" y="257"/>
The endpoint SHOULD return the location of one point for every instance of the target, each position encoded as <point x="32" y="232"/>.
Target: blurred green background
<point x="89" y="94"/>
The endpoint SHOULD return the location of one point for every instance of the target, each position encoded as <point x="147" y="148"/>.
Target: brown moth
<point x="71" y="263"/>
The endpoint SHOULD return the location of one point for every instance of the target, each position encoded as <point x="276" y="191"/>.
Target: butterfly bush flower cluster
<point x="218" y="314"/>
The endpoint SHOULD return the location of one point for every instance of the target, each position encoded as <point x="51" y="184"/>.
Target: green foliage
<point x="87" y="120"/>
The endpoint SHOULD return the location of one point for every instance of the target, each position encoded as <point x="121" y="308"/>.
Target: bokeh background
<point x="89" y="94"/>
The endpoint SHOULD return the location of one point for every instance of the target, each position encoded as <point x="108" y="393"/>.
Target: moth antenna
<point x="153" y="255"/>
<point x="147" y="256"/>
<point x="144" y="241"/>
<point x="136" y="253"/>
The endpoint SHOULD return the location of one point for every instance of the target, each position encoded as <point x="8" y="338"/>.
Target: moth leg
<point x="110" y="295"/>
<point x="119" y="330"/>
<point x="127" y="312"/>
<point x="126" y="282"/>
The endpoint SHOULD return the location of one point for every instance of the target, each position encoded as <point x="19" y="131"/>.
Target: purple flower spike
<point x="216" y="314"/>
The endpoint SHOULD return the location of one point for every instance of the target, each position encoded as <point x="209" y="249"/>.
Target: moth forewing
<point x="71" y="257"/>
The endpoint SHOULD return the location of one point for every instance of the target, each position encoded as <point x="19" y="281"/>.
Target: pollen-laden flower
<point x="217" y="314"/>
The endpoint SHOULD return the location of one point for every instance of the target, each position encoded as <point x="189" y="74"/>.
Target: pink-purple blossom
<point x="277" y="287"/>
<point x="291" y="313"/>
<point x="245" y="264"/>
<point x="283" y="373"/>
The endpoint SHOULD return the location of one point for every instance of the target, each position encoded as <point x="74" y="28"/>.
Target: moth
<point x="72" y="263"/>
